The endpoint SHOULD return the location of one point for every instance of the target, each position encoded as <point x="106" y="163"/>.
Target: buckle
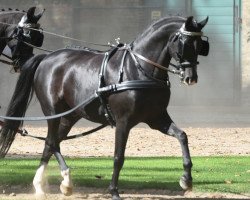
<point x="23" y="132"/>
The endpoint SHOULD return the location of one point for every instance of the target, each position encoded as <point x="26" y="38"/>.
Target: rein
<point x="35" y="47"/>
<point x="173" y="71"/>
<point x="24" y="132"/>
<point x="70" y="38"/>
<point x="58" y="35"/>
<point x="30" y="27"/>
<point x="5" y="61"/>
<point x="51" y="116"/>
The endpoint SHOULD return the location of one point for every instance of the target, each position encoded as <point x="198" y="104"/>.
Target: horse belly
<point x="139" y="105"/>
<point x="80" y="87"/>
<point x="94" y="112"/>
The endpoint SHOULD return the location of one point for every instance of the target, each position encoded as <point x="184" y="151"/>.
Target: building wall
<point x="245" y="56"/>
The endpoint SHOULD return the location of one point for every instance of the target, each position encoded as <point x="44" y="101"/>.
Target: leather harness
<point x="104" y="90"/>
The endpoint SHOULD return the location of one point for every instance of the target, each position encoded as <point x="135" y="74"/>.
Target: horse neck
<point x="13" y="17"/>
<point x="8" y="18"/>
<point x="154" y="45"/>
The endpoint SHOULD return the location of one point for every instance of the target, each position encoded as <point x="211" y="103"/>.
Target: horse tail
<point x="19" y="103"/>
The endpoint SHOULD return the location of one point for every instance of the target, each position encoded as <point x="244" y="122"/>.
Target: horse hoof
<point x="67" y="191"/>
<point x="116" y="197"/>
<point x="185" y="184"/>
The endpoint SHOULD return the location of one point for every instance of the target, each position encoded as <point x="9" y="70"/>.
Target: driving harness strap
<point x="102" y="98"/>
<point x="131" y="85"/>
<point x="104" y="90"/>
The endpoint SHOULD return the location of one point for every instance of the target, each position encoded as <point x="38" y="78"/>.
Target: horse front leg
<point x="167" y="126"/>
<point x="186" y="179"/>
<point x="121" y="137"/>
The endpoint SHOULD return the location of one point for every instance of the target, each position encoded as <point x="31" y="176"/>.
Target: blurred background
<point x="222" y="95"/>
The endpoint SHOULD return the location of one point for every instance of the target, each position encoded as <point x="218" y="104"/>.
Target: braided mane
<point x="12" y="10"/>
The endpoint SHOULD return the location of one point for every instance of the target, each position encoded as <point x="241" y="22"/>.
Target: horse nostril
<point x="187" y="80"/>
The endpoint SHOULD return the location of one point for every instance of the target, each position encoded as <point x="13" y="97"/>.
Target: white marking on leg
<point x="66" y="185"/>
<point x="38" y="180"/>
<point x="66" y="178"/>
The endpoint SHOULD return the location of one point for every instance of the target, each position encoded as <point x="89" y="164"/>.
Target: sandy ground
<point x="142" y="142"/>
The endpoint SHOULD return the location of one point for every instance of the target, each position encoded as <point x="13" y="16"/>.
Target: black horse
<point x="16" y="29"/>
<point x="122" y="87"/>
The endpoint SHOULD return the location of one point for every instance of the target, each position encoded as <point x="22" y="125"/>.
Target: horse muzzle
<point x="189" y="74"/>
<point x="190" y="81"/>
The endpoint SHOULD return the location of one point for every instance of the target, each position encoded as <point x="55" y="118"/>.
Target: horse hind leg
<point x="66" y="186"/>
<point x="39" y="179"/>
<point x="39" y="182"/>
<point x="52" y="146"/>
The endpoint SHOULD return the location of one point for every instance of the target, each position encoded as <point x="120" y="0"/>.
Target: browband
<point x="189" y="33"/>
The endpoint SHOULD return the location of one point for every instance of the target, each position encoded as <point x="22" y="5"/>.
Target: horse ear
<point x="203" y="23"/>
<point x="30" y="12"/>
<point x="189" y="22"/>
<point x="39" y="15"/>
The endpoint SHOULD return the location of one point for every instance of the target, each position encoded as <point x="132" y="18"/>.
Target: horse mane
<point x="10" y="10"/>
<point x="88" y="49"/>
<point x="159" y="23"/>
<point x="169" y="19"/>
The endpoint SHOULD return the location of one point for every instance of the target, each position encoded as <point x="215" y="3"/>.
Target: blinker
<point x="204" y="47"/>
<point x="204" y="50"/>
<point x="38" y="40"/>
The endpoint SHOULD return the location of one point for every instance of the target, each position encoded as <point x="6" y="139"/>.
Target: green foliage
<point x="210" y="174"/>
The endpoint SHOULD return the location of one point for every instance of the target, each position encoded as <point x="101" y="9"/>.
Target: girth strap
<point x="105" y="91"/>
<point x="132" y="85"/>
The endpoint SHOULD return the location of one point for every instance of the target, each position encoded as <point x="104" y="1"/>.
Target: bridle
<point x="20" y="33"/>
<point x="204" y="43"/>
<point x="180" y="67"/>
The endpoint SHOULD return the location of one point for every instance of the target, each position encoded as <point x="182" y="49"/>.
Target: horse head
<point x="26" y="35"/>
<point x="29" y="22"/>
<point x="185" y="46"/>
